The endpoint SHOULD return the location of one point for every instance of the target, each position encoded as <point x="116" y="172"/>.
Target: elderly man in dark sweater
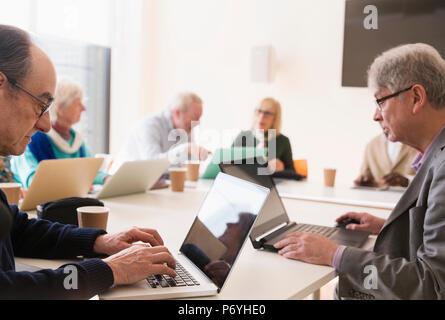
<point x="27" y="84"/>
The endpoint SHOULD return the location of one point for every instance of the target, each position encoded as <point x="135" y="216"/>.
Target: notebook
<point x="211" y="246"/>
<point x="274" y="224"/>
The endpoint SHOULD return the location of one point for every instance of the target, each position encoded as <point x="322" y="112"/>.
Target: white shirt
<point x="154" y="137"/>
<point x="393" y="149"/>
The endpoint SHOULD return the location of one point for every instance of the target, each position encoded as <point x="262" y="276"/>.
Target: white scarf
<point x="63" y="145"/>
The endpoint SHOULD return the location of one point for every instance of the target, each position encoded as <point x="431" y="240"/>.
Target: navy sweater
<point x="36" y="238"/>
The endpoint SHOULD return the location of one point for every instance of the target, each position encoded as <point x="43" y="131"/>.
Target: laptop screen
<point x="273" y="213"/>
<point x="222" y="226"/>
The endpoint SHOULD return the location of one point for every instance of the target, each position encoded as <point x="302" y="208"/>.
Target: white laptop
<point x="61" y="178"/>
<point x="133" y="177"/>
<point x="213" y="243"/>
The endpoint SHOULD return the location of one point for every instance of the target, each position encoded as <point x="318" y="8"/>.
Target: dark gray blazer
<point x="409" y="253"/>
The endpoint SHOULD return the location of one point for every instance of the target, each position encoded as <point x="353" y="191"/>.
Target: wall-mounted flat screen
<point x="397" y="21"/>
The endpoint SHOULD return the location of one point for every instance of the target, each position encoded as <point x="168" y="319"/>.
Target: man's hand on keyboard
<point x="113" y="243"/>
<point x="308" y="247"/>
<point x="139" y="262"/>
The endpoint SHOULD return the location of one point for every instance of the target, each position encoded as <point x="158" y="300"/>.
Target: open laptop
<point x="213" y="243"/>
<point x="228" y="155"/>
<point x="273" y="224"/>
<point x="133" y="177"/>
<point x="61" y="178"/>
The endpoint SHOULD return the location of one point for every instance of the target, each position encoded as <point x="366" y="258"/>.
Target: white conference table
<point x="257" y="274"/>
<point x="339" y="194"/>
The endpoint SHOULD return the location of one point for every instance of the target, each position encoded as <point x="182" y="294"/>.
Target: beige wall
<point x="205" y="45"/>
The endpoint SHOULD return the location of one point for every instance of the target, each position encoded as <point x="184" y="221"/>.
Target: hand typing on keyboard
<point x="308" y="247"/>
<point x="183" y="278"/>
<point x="139" y="262"/>
<point x="113" y="243"/>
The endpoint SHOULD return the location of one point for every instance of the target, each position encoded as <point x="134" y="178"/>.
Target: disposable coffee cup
<point x="177" y="178"/>
<point x="12" y="191"/>
<point x="192" y="171"/>
<point x="329" y="177"/>
<point x="93" y="217"/>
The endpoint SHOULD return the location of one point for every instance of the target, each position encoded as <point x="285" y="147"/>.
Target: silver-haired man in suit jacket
<point x="408" y="259"/>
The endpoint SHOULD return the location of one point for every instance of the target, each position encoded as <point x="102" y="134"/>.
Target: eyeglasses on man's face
<point x="380" y="101"/>
<point x="43" y="105"/>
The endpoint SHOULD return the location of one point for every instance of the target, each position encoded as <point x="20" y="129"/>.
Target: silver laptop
<point x="133" y="177"/>
<point x="274" y="224"/>
<point x="211" y="246"/>
<point x="61" y="178"/>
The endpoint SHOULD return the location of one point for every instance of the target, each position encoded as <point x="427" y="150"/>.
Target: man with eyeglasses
<point x="27" y="85"/>
<point x="408" y="258"/>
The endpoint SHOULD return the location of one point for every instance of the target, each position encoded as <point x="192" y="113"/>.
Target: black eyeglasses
<point x="380" y="101"/>
<point x="44" y="106"/>
<point x="265" y="113"/>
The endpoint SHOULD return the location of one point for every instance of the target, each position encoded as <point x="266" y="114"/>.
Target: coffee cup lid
<point x="93" y="209"/>
<point x="177" y="169"/>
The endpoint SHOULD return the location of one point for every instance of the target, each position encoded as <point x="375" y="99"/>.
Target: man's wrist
<point x="380" y="225"/>
<point x="336" y="259"/>
<point x="99" y="245"/>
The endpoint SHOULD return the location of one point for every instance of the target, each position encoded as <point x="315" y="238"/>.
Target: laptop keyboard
<point x="183" y="279"/>
<point x="323" y="230"/>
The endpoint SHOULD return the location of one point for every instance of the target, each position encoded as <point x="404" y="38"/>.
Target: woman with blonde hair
<point x="266" y="128"/>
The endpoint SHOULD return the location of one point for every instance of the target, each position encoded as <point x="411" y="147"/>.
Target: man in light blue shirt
<point x="166" y="134"/>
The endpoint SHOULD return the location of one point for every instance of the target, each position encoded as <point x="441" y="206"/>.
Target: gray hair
<point x="182" y="101"/>
<point x="406" y="65"/>
<point x="15" y="52"/>
<point x="67" y="91"/>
